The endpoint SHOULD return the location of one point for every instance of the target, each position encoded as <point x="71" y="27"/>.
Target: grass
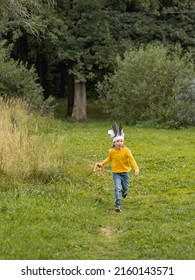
<point x="24" y="151"/>
<point x="67" y="212"/>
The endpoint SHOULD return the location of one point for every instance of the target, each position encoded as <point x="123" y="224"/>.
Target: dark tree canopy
<point x="74" y="43"/>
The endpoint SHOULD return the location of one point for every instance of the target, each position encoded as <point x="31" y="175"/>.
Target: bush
<point x="150" y="84"/>
<point x="18" y="81"/>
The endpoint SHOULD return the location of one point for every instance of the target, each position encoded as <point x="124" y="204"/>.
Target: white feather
<point x="111" y="133"/>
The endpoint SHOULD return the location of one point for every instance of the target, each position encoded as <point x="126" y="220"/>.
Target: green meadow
<point x="53" y="206"/>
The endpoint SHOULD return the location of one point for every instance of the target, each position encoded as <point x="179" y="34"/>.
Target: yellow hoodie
<point x="122" y="160"/>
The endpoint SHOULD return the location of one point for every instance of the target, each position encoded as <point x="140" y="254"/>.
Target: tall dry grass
<point x="24" y="156"/>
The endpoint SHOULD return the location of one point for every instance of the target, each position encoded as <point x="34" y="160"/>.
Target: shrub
<point x="150" y="84"/>
<point x="18" y="81"/>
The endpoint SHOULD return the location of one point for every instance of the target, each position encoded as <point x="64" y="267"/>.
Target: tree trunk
<point x="80" y="102"/>
<point x="42" y="69"/>
<point x="21" y="50"/>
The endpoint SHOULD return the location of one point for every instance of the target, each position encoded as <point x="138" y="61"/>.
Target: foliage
<point x="150" y="83"/>
<point x="71" y="215"/>
<point x="87" y="45"/>
<point x="18" y="81"/>
<point x="82" y="38"/>
<point x="25" y="12"/>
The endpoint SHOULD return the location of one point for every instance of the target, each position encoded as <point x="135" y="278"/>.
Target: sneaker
<point x="117" y="209"/>
<point x="124" y="194"/>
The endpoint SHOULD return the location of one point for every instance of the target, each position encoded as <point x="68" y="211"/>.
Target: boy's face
<point x="119" y="144"/>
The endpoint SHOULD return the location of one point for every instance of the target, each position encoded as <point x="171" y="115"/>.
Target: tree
<point x="22" y="9"/>
<point x="88" y="46"/>
<point x="26" y="26"/>
<point x="149" y="83"/>
<point x="17" y="78"/>
<point x="109" y="24"/>
<point x="75" y="42"/>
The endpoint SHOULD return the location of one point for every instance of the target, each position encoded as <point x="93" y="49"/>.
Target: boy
<point x="122" y="160"/>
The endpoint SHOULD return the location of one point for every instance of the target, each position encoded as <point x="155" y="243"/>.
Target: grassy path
<point x="68" y="214"/>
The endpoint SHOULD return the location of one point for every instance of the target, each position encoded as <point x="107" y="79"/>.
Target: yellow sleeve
<point x="107" y="160"/>
<point x="132" y="161"/>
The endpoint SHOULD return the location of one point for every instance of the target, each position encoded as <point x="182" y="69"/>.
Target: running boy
<point x="122" y="160"/>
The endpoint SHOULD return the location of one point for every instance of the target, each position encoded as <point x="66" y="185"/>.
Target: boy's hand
<point x="136" y="172"/>
<point x="100" y="164"/>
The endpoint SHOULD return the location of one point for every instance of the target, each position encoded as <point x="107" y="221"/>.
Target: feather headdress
<point x="116" y="133"/>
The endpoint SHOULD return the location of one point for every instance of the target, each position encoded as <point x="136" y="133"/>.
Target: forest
<point x="70" y="49"/>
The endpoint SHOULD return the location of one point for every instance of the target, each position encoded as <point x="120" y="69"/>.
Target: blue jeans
<point x="121" y="186"/>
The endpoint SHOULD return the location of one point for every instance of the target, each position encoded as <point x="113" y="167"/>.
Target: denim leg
<point x="117" y="188"/>
<point x="125" y="182"/>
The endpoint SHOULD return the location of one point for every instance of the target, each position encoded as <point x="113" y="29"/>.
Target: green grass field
<point x="66" y="211"/>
